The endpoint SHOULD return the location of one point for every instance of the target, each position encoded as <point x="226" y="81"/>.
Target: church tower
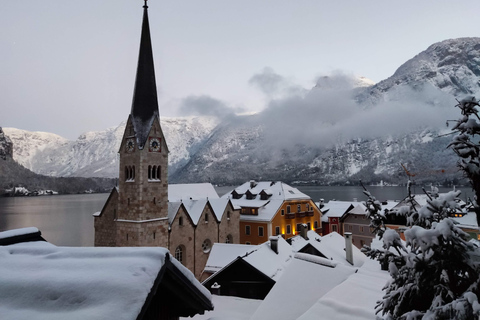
<point x="142" y="217"/>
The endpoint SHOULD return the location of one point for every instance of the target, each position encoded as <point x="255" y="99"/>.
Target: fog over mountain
<point x="343" y="129"/>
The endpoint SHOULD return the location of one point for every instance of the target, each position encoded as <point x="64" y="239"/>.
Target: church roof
<point x="145" y="102"/>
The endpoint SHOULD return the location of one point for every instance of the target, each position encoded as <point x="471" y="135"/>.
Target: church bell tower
<point x="142" y="218"/>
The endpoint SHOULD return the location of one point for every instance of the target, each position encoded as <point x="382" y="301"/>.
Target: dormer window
<point x="236" y="195"/>
<point x="250" y="195"/>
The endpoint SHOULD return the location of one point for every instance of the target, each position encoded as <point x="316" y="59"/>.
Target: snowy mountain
<point x="94" y="154"/>
<point x="342" y="130"/>
<point x="453" y="66"/>
<point x="5" y="146"/>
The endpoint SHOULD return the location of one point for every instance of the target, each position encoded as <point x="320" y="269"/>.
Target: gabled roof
<point x="218" y="206"/>
<point x="336" y="209"/>
<point x="42" y="281"/>
<point x="331" y="246"/>
<point x="224" y="253"/>
<point x="355" y="298"/>
<point x="312" y="277"/>
<point x="278" y="193"/>
<point x="194" y="209"/>
<point x="191" y="191"/>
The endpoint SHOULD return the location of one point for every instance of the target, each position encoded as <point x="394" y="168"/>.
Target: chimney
<point x="321" y="203"/>
<point x="252" y="184"/>
<point x="215" y="289"/>
<point x="274" y="243"/>
<point x="304" y="230"/>
<point x="348" y="247"/>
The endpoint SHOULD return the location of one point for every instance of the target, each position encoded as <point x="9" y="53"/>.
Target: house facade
<point x="144" y="210"/>
<point x="271" y="208"/>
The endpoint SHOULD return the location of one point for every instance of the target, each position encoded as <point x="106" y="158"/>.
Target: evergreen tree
<point x="436" y="271"/>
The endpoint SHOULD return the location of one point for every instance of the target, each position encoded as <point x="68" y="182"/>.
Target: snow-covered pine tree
<point x="436" y="271"/>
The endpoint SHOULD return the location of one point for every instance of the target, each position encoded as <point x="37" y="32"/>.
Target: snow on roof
<point x="224" y="253"/>
<point x="332" y="246"/>
<point x="311" y="280"/>
<point x="277" y="193"/>
<point x="359" y="209"/>
<point x="172" y="210"/>
<point x="336" y="208"/>
<point x="468" y="220"/>
<point x="267" y="261"/>
<point x="191" y="191"/>
<point x="229" y="308"/>
<point x="42" y="281"/>
<point x="218" y="206"/>
<point x="355" y="298"/>
<point x="194" y="208"/>
<point x="18" y="232"/>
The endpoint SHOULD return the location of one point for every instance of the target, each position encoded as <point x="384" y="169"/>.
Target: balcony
<point x="290" y="215"/>
<point x="309" y="213"/>
<point x="300" y="214"/>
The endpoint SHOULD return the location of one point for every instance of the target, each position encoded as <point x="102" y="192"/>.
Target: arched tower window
<point x="154" y="172"/>
<point x="180" y="254"/>
<point x="149" y="172"/>
<point x="126" y="173"/>
<point x="133" y="173"/>
<point x="159" y="171"/>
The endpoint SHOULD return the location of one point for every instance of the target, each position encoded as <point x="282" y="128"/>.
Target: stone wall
<point x="105" y="231"/>
<point x="183" y="236"/>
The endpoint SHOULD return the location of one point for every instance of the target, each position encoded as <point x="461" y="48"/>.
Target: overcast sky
<point x="69" y="66"/>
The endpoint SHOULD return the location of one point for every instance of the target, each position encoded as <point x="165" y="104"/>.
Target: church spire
<point x="145" y="103"/>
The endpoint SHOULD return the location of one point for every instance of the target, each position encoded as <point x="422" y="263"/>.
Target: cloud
<point x="206" y="106"/>
<point x="274" y="85"/>
<point x="329" y="114"/>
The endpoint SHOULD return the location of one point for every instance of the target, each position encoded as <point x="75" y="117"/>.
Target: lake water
<point x="67" y="220"/>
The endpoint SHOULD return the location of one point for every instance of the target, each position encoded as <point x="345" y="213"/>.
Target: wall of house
<point x="142" y="234"/>
<point x="298" y="218"/>
<point x="205" y="232"/>
<point x="254" y="237"/>
<point x="183" y="236"/>
<point x="334" y="225"/>
<point x="104" y="224"/>
<point x="359" y="226"/>
<point x="229" y="226"/>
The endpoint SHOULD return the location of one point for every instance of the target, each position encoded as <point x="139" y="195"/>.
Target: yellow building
<point x="273" y="208"/>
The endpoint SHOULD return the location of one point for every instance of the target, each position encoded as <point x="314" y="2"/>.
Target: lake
<point x="67" y="220"/>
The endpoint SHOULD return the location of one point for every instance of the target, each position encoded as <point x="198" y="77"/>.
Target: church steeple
<point x="145" y="103"/>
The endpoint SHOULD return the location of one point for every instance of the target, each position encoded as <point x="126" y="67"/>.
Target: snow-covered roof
<point x="18" y="232"/>
<point x="218" y="206"/>
<point x="229" y="308"/>
<point x="277" y="193"/>
<point x="194" y="208"/>
<point x="355" y="298"/>
<point x="191" y="191"/>
<point x="172" y="210"/>
<point x="335" y="209"/>
<point x="312" y="277"/>
<point x="332" y="246"/>
<point x="42" y="281"/>
<point x="359" y="210"/>
<point x="224" y="253"/>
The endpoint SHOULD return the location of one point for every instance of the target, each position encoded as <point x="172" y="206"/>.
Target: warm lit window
<point x="247" y="230"/>
<point x="260" y="231"/>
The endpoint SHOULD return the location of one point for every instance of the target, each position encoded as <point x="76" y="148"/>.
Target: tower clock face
<point x="130" y="145"/>
<point x="154" y="145"/>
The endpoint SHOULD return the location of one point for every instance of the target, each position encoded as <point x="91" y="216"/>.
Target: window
<point x="115" y="214"/>
<point x="130" y="173"/>
<point x="179" y="254"/>
<point x="299" y="207"/>
<point x="206" y="217"/>
<point x="154" y="235"/>
<point x="288" y="209"/>
<point x="180" y="221"/>
<point x="277" y="231"/>
<point x="315" y="224"/>
<point x="247" y="230"/>
<point x="283" y="212"/>
<point x="299" y="226"/>
<point x="154" y="172"/>
<point x="154" y="200"/>
<point x="260" y="231"/>
<point x="229" y="239"/>
<point x="149" y="172"/>
<point x="362" y="243"/>
<point x="309" y="226"/>
<point x="308" y="207"/>
<point x="334" y="228"/>
<point x="206" y="246"/>
<point x="289" y="229"/>
<point x="361" y="229"/>
<point x="228" y="215"/>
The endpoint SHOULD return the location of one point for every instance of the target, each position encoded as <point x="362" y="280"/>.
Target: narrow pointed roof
<point x="145" y="103"/>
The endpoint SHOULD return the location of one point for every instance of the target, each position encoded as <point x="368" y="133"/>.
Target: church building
<point x="138" y="212"/>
